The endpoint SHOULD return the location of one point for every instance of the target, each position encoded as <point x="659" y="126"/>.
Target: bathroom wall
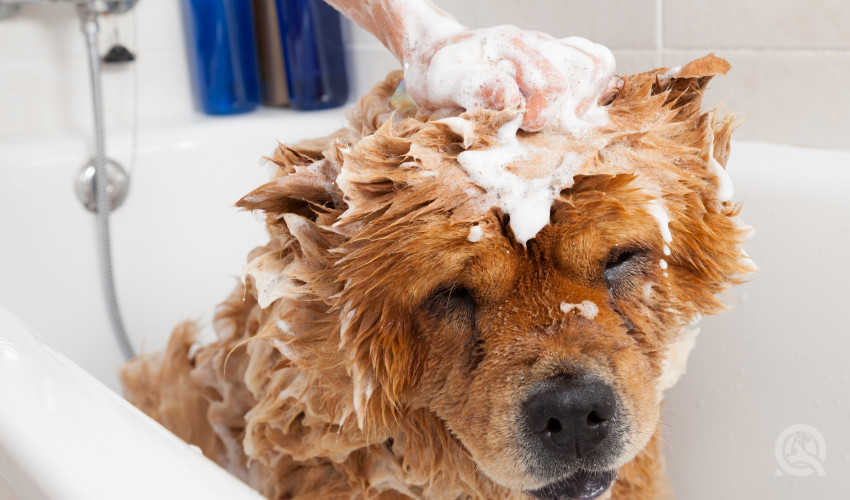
<point x="790" y="59"/>
<point x="44" y="81"/>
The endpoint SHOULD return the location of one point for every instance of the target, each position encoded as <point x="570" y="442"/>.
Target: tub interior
<point x="777" y="358"/>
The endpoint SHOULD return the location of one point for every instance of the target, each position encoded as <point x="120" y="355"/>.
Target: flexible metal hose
<point x="88" y="22"/>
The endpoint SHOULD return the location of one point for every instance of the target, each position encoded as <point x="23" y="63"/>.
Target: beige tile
<point x="40" y="32"/>
<point x="45" y="96"/>
<point x="743" y="24"/>
<point x="615" y="23"/>
<point x="465" y="11"/>
<point x="52" y="31"/>
<point x="785" y="97"/>
<point x="630" y="62"/>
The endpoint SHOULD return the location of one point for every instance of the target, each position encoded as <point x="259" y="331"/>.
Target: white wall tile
<point x="44" y="81"/>
<point x="52" y="31"/>
<point x="43" y="96"/>
<point x="369" y="65"/>
<point x="467" y="12"/>
<point x="736" y="24"/>
<point x="778" y="97"/>
<point x="615" y="23"/>
<point x="165" y="87"/>
<point x="38" y="32"/>
<point x="160" y="26"/>
<point x="790" y="89"/>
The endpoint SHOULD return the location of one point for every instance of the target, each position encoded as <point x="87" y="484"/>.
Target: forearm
<point x="401" y="25"/>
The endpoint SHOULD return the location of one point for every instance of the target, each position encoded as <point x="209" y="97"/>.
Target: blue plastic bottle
<point x="224" y="57"/>
<point x="314" y="52"/>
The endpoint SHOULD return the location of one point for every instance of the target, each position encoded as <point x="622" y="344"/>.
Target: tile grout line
<point x="659" y="33"/>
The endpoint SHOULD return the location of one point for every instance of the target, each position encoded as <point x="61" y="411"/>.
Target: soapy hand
<point x="448" y="65"/>
<point x="506" y="68"/>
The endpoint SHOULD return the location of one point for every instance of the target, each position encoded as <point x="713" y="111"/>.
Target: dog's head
<point x="545" y="358"/>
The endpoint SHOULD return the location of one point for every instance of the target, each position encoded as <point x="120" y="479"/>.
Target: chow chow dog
<point x="395" y="339"/>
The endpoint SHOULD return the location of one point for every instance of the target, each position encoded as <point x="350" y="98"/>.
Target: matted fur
<point x="327" y="381"/>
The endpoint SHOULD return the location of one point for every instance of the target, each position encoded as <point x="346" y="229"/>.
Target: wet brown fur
<point x="337" y="374"/>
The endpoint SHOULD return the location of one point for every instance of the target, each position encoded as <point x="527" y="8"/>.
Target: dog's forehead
<point x="596" y="180"/>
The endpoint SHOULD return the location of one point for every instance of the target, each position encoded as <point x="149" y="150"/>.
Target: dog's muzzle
<point x="583" y="485"/>
<point x="571" y="425"/>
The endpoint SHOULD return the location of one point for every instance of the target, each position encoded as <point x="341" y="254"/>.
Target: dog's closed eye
<point x="454" y="303"/>
<point x="454" y="308"/>
<point x="622" y="269"/>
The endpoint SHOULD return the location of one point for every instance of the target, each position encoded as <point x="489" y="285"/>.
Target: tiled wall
<point x="44" y="81"/>
<point x="789" y="79"/>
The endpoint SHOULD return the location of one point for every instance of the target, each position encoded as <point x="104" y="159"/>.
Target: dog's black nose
<point x="570" y="416"/>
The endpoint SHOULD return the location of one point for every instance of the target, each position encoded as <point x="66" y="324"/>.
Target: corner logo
<point x="800" y="451"/>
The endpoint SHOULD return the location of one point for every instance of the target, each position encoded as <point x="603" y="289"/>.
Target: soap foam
<point x="475" y="234"/>
<point x="588" y="309"/>
<point x="526" y="200"/>
<point x="459" y="70"/>
<point x="284" y="328"/>
<point x="572" y="72"/>
<point x="657" y="210"/>
<point x="586" y="70"/>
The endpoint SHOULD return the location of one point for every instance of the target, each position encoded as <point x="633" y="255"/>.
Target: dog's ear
<point x="679" y="88"/>
<point x="684" y="85"/>
<point x="303" y="182"/>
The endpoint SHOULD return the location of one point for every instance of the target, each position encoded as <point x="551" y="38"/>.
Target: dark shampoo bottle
<point x="223" y="55"/>
<point x="311" y="32"/>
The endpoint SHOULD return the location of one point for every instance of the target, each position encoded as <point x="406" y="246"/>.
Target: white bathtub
<point x="780" y="357"/>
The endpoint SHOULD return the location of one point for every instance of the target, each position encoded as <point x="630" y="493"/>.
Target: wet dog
<point x="396" y="339"/>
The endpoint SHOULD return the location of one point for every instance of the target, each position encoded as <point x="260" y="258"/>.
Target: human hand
<point x="506" y="68"/>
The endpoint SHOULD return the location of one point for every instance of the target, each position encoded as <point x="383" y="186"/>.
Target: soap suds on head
<point x="526" y="200"/>
<point x="461" y="127"/>
<point x="588" y="309"/>
<point x="672" y="72"/>
<point x="475" y="233"/>
<point x="287" y="351"/>
<point x="656" y="210"/>
<point x="459" y="70"/>
<point x="284" y="328"/>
